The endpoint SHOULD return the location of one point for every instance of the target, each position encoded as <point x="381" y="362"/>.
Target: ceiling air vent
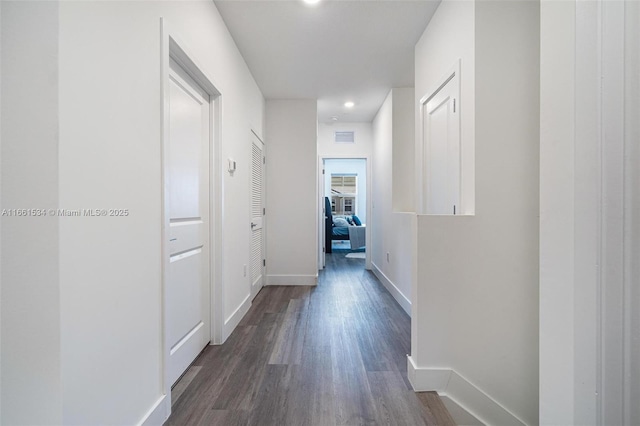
<point x="345" y="137"/>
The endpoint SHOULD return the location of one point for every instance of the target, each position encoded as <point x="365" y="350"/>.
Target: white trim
<point x="402" y="300"/>
<point x="165" y="70"/>
<point x="322" y="214"/>
<point x="292" y="279"/>
<point x="460" y="416"/>
<point x="427" y="379"/>
<point x="158" y="414"/>
<point x="612" y="304"/>
<point x="216" y="225"/>
<point x="453" y="71"/>
<point x="234" y="319"/>
<point x="462" y="392"/>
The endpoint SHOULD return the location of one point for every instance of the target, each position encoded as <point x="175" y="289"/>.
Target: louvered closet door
<point x="257" y="215"/>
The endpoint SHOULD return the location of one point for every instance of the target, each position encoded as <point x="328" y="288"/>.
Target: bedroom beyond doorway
<point x="345" y="198"/>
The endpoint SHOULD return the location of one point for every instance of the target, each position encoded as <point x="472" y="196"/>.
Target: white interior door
<point x="441" y="133"/>
<point x="188" y="281"/>
<point x="257" y="215"/>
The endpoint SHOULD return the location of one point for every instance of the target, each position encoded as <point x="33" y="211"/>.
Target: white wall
<point x="632" y="210"/>
<point x="108" y="316"/>
<point x="30" y="352"/>
<point x="361" y="148"/>
<point x="381" y="181"/>
<point x="392" y="232"/>
<point x="589" y="281"/>
<point x="475" y="302"/>
<point x="292" y="192"/>
<point x="449" y="37"/>
<point x="110" y="157"/>
<point x="403" y="150"/>
<point x="557" y="233"/>
<point x="347" y="166"/>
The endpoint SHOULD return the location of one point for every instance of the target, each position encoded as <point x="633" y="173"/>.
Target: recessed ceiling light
<point x="349" y="104"/>
<point x="334" y="117"/>
<point x="312" y="1"/>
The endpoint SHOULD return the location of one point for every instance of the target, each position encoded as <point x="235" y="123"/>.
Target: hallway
<point x="334" y="354"/>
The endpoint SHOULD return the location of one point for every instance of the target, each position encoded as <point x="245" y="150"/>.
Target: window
<point x="344" y="191"/>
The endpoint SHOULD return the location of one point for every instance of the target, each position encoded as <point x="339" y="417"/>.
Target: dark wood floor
<point x="334" y="354"/>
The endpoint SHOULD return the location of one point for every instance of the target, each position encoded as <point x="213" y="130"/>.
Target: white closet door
<point x="257" y="262"/>
<point x="441" y="133"/>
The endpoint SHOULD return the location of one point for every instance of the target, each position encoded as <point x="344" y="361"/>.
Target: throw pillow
<point x="340" y="221"/>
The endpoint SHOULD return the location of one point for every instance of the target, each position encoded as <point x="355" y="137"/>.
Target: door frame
<point x="172" y="47"/>
<point x="321" y="160"/>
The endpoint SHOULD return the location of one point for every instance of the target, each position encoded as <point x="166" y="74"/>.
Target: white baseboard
<point x="292" y="279"/>
<point x="402" y="300"/>
<point x="234" y="319"/>
<point x="158" y="414"/>
<point x="464" y="400"/>
<point x="461" y="417"/>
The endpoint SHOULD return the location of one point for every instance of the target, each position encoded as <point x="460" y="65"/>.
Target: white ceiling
<point x="334" y="51"/>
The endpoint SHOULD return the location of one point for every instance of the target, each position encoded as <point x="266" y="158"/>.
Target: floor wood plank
<point x="184" y="382"/>
<point x="334" y="354"/>
<point x="436" y="407"/>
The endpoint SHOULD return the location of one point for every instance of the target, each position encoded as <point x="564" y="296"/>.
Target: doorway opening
<point x="345" y="205"/>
